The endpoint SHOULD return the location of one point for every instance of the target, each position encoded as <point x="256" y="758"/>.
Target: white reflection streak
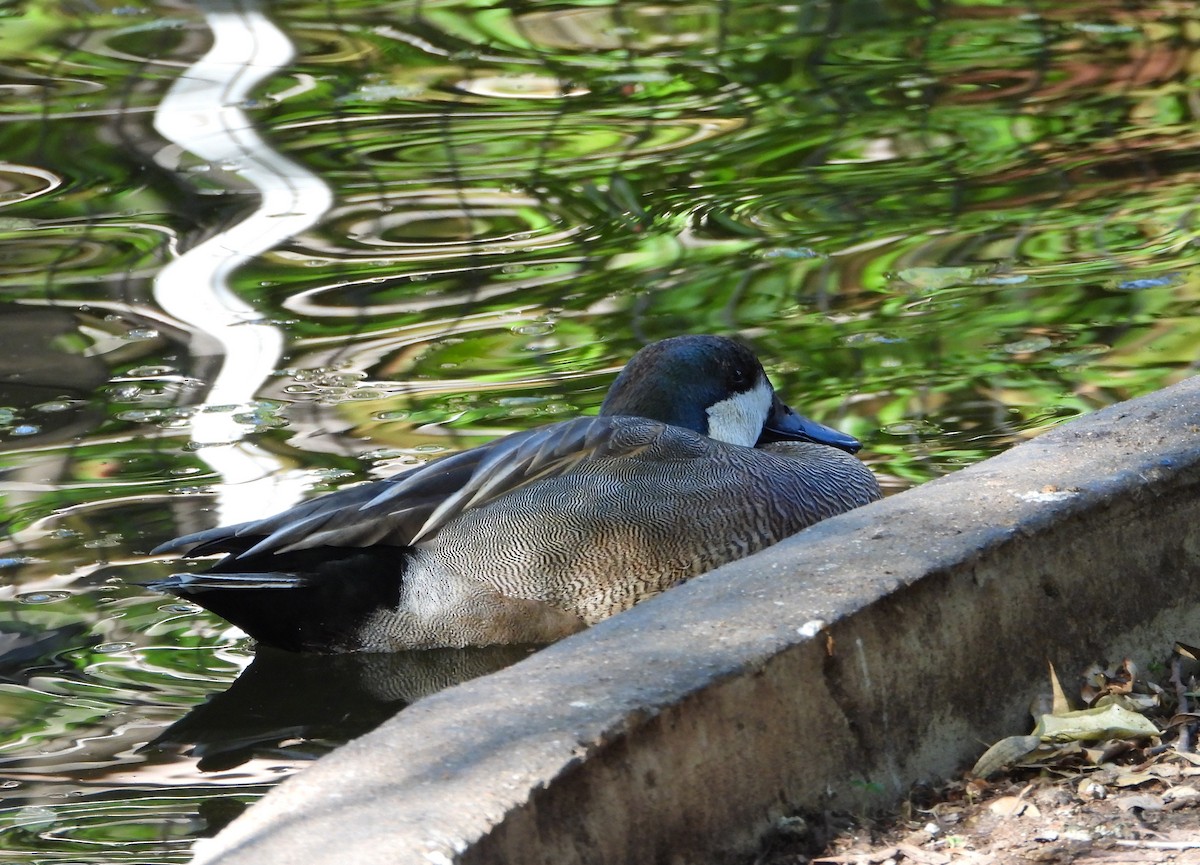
<point x="201" y="114"/>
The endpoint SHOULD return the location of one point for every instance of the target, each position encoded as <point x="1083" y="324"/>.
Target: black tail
<point x="304" y="601"/>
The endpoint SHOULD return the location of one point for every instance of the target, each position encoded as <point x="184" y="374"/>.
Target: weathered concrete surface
<point x="872" y="650"/>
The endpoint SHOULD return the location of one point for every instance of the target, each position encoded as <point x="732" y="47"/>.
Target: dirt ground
<point x="1097" y="801"/>
<point x="1107" y="817"/>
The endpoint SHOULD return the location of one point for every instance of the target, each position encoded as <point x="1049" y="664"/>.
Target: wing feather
<point x="412" y="507"/>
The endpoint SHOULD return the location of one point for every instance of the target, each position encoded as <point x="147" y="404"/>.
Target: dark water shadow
<point x="301" y="706"/>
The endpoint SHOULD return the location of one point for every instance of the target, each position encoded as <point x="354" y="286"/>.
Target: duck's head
<point x="716" y="387"/>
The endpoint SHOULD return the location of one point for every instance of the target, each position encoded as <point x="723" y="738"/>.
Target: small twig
<point x="1177" y="681"/>
<point x="1184" y="742"/>
<point x="1158" y="845"/>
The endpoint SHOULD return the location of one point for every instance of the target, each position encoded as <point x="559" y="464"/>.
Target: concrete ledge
<point x="872" y="650"/>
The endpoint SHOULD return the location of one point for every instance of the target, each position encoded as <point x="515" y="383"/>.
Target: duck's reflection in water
<point x="299" y="706"/>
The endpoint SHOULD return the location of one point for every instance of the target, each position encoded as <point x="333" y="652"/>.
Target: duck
<point x="693" y="461"/>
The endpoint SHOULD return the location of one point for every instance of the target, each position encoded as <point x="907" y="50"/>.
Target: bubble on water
<point x="179" y="608"/>
<point x="870" y="338"/>
<point x="381" y="454"/>
<point x="56" y="405"/>
<point x="790" y="252"/>
<point x="139" y="415"/>
<point x="125" y="392"/>
<point x="537" y="328"/>
<point x="1028" y="346"/>
<point x="910" y="428"/>
<point x="107" y="542"/>
<point x="42" y="597"/>
<point x="189" y="491"/>
<point x="110" y="648"/>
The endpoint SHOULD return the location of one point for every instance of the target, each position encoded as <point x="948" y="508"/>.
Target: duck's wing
<point x="408" y="508"/>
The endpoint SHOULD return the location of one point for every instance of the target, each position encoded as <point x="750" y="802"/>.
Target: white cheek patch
<point x="739" y="419"/>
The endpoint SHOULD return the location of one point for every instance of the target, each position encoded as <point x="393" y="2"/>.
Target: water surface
<point x="945" y="227"/>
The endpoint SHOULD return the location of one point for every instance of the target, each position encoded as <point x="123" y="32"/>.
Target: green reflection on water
<point x="945" y="227"/>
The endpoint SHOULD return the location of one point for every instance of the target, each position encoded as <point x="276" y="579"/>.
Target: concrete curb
<point x="872" y="650"/>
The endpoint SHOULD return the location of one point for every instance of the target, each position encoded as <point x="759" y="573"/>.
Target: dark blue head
<point x="714" y="386"/>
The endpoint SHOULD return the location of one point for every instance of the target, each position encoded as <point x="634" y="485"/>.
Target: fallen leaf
<point x="923" y="857"/>
<point x="1005" y="753"/>
<point x="1061" y="706"/>
<point x="862" y="857"/>
<point x="1181" y="792"/>
<point x="1142" y="801"/>
<point x="1090" y="725"/>
<point x="1114" y="748"/>
<point x="1133" y="779"/>
<point x="1188" y="651"/>
<point x="1194" y="759"/>
<point x="1127" y="700"/>
<point x="1014" y="806"/>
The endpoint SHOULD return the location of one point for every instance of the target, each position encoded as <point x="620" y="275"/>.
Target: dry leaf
<point x="1090" y="725"/>
<point x="861" y="857"/>
<point x="1128" y="700"/>
<point x="1061" y="705"/>
<point x="1144" y="801"/>
<point x="1005" y="753"/>
<point x="1013" y="806"/>
<point x="1182" y="792"/>
<point x="922" y="857"/>
<point x="1133" y="779"/>
<point x="1194" y="759"/>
